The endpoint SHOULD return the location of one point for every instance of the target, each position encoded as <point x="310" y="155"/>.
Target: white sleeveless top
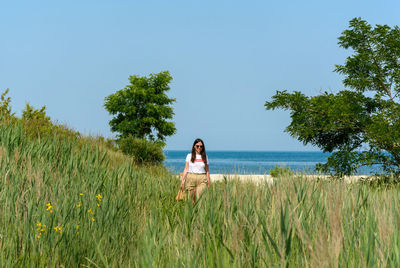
<point x="198" y="166"/>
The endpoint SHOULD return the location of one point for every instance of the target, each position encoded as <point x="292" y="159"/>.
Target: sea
<point x="253" y="162"/>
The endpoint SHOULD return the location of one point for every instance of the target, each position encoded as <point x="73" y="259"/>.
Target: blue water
<point x="229" y="162"/>
<point x="252" y="162"/>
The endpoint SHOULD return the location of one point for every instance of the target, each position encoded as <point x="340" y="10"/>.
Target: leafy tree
<point x="142" y="108"/>
<point x="361" y="124"/>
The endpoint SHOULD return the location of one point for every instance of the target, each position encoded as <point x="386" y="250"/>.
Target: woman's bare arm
<point x="208" y="175"/>
<point x="185" y="171"/>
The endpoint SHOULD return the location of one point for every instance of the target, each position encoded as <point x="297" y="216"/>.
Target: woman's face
<point x="198" y="147"/>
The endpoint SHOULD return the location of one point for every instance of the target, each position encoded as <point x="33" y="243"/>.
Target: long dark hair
<point x="203" y="151"/>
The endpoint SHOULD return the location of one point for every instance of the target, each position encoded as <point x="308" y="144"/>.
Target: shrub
<point x="36" y="121"/>
<point x="381" y="181"/>
<point x="277" y="172"/>
<point x="5" y="108"/>
<point x="143" y="151"/>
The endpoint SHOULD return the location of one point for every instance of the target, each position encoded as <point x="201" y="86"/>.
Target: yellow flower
<point x="99" y="197"/>
<point x="58" y="229"/>
<point x="81" y="194"/>
<point x="49" y="207"/>
<point x="98" y="204"/>
<point x="79" y="204"/>
<point x="90" y="211"/>
<point x="77" y="226"/>
<point x="40" y="228"/>
<point x="92" y="219"/>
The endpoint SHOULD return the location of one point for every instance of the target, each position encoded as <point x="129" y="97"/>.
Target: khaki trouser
<point x="196" y="182"/>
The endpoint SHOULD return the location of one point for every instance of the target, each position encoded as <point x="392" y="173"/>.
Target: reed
<point x="72" y="202"/>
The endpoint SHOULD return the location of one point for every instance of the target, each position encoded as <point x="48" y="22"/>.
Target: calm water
<point x="229" y="162"/>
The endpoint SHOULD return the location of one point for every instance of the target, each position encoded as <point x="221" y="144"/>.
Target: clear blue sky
<point x="226" y="57"/>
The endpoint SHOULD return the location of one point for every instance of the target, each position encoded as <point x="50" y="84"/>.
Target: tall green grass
<point x="99" y="209"/>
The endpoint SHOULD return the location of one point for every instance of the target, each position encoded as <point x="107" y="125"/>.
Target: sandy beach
<point x="258" y="178"/>
<point x="252" y="177"/>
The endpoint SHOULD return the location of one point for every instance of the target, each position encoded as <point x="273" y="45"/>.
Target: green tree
<point x="361" y="124"/>
<point x="142" y="108"/>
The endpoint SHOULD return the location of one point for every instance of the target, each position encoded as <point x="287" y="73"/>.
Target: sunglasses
<point x="199" y="146"/>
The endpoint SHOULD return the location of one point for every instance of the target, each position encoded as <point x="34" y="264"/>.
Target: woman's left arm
<point x="208" y="175"/>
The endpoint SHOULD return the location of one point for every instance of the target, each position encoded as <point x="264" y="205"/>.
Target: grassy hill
<point x="70" y="201"/>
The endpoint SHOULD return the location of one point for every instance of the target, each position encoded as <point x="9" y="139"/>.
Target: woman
<point x="196" y="171"/>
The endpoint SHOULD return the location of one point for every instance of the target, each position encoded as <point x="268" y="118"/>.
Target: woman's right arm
<point x="185" y="171"/>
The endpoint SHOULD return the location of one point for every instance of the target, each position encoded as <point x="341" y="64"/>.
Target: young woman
<point x="196" y="171"/>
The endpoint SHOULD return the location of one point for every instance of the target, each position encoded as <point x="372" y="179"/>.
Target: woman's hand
<point x="183" y="180"/>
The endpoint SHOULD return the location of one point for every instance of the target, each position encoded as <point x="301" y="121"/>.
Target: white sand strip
<point x="252" y="177"/>
<point x="258" y="178"/>
<point x="269" y="179"/>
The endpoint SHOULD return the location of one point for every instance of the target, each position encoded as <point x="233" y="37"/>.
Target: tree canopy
<point x="142" y="108"/>
<point x="360" y="125"/>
